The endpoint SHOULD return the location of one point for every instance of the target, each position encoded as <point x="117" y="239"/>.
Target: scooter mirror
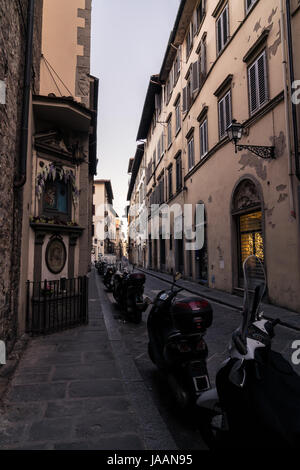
<point x="177" y="276"/>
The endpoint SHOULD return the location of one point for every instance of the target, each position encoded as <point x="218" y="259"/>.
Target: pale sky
<point x="129" y="40"/>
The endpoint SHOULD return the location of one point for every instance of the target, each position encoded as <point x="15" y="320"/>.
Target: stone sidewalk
<point x="68" y="393"/>
<point x="287" y="318"/>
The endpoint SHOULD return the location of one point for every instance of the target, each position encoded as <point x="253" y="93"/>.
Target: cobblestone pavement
<point x="68" y="392"/>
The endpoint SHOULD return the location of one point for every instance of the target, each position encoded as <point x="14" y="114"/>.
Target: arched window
<point x="247" y="212"/>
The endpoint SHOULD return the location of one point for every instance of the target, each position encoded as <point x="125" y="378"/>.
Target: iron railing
<point x="56" y="305"/>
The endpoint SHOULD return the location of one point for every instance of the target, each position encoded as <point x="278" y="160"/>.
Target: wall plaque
<point x="56" y="255"/>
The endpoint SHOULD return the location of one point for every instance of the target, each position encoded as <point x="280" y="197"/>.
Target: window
<point x="162" y="146"/>
<point x="200" y="13"/>
<point x="160" y="191"/>
<point x="56" y="198"/>
<point x="178" y="173"/>
<point x="93" y="209"/>
<point x="177" y="66"/>
<point x="169" y="131"/>
<point x="170" y="176"/>
<point x="187" y="93"/>
<point x="258" y="83"/>
<point x="191" y="153"/>
<point x="189" y="41"/>
<point x="158" y="104"/>
<point x="222" y="30"/>
<point x="202" y="64"/>
<point x="178" y="115"/>
<point x="249" y="4"/>
<point x="154" y="161"/>
<point x="224" y="114"/>
<point x="203" y="139"/>
<point x="169" y="89"/>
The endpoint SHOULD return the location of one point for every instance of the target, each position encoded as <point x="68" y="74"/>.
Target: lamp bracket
<point x="260" y="151"/>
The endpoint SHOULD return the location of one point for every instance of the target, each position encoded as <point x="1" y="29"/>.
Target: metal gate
<point x="56" y="305"/>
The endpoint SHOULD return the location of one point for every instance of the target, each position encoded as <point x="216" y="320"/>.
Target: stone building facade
<point x="13" y="37"/>
<point x="224" y="61"/>
<point x="45" y="197"/>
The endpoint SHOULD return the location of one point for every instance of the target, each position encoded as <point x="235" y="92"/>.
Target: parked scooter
<point x="108" y="279"/>
<point x="176" y="330"/>
<point x="256" y="399"/>
<point x="101" y="267"/>
<point x="128" y="291"/>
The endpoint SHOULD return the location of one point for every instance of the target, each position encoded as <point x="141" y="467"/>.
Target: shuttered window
<point x="225" y="118"/>
<point x="258" y="83"/>
<point x="184" y="104"/>
<point x="170" y="186"/>
<point x="202" y="64"/>
<point x="222" y="29"/>
<point x="169" y="131"/>
<point x="203" y="139"/>
<point x="195" y="77"/>
<point x="178" y="115"/>
<point x="191" y="153"/>
<point x="178" y="173"/>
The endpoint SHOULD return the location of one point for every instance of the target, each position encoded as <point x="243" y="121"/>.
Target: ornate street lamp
<point x="235" y="132"/>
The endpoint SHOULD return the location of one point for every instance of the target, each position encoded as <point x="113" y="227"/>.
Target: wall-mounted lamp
<point x="235" y="132"/>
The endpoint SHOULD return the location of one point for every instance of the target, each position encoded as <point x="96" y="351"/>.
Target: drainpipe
<point x="292" y="79"/>
<point x="287" y="115"/>
<point x="26" y="99"/>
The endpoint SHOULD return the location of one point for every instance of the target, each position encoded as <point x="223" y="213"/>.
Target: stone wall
<point x="13" y="16"/>
<point x="83" y="62"/>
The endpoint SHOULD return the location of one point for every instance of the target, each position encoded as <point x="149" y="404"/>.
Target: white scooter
<point x="256" y="400"/>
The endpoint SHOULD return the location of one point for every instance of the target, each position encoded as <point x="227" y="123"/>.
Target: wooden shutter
<point x="219" y="35"/>
<point x="225" y="25"/>
<point x="227" y="110"/>
<point x="221" y="118"/>
<point x="252" y="88"/>
<point x="195" y="77"/>
<point x="162" y="144"/>
<point x="184" y="100"/>
<point x="262" y="79"/>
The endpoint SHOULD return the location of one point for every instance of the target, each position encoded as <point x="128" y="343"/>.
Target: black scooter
<point x="128" y="291"/>
<point x="176" y="330"/>
<point x="256" y="400"/>
<point x="108" y="279"/>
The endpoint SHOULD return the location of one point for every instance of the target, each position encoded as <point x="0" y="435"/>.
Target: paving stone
<point x="37" y="392"/>
<point x="96" y="388"/>
<point x="10" y="433"/>
<point x="126" y="442"/>
<point x="96" y="405"/>
<point x="19" y="412"/>
<point x="60" y="358"/>
<point x="105" y="354"/>
<point x="25" y="379"/>
<point x="93" y="345"/>
<point x="64" y="409"/>
<point x="83" y="372"/>
<point x="51" y="429"/>
<point x="104" y="423"/>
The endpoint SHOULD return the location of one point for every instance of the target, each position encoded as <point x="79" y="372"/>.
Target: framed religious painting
<point x="56" y="255"/>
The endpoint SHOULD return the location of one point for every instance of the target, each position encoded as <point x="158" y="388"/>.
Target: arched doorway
<point x="248" y="218"/>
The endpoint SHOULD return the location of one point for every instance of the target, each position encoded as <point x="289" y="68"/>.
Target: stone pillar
<point x="38" y="251"/>
<point x="71" y="258"/>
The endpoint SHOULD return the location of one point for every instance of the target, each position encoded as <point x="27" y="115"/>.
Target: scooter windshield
<point x="254" y="287"/>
